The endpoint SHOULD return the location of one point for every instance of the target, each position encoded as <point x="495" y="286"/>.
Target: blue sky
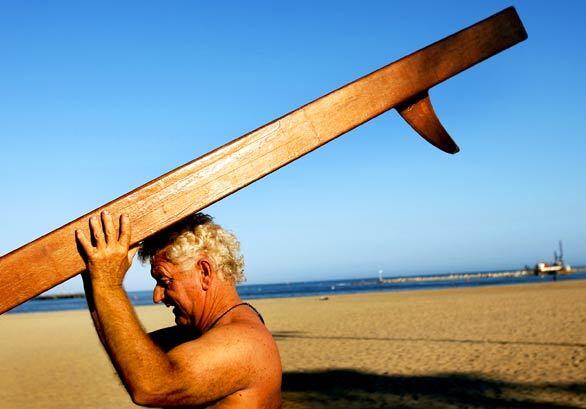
<point x="99" y="98"/>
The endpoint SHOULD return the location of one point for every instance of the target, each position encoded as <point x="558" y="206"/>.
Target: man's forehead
<point x="161" y="264"/>
<point x="159" y="260"/>
<point x="160" y="257"/>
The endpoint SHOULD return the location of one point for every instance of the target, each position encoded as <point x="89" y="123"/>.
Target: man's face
<point x="177" y="287"/>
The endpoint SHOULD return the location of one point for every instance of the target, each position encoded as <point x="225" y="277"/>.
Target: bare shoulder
<point x="251" y="341"/>
<point x="246" y="344"/>
<point x="242" y="356"/>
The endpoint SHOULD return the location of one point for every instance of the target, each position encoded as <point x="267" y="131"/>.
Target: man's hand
<point x="109" y="260"/>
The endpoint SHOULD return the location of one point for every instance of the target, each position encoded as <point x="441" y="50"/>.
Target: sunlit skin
<point x="180" y="287"/>
<point x="173" y="288"/>
<point x="203" y="361"/>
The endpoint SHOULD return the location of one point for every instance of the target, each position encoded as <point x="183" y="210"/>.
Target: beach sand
<point x="509" y="346"/>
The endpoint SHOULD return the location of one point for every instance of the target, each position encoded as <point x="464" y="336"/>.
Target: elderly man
<point x="219" y="354"/>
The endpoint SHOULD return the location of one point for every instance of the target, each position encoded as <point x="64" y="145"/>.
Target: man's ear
<point x="207" y="272"/>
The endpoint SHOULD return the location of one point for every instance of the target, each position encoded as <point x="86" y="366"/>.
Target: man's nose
<point x="158" y="294"/>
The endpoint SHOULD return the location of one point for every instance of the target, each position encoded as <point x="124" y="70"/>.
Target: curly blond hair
<point x="193" y="236"/>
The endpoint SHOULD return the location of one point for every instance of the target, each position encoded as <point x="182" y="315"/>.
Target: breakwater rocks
<point x="456" y="276"/>
<point x="59" y="296"/>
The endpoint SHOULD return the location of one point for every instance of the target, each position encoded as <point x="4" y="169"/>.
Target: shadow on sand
<point x="354" y="389"/>
<point x="280" y="335"/>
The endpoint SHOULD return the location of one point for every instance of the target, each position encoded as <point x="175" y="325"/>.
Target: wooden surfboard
<point x="403" y="84"/>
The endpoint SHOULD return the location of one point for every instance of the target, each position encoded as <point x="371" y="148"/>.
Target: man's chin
<point x="180" y="320"/>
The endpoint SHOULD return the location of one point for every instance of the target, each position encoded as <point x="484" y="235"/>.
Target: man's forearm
<point x="139" y="362"/>
<point x="143" y="367"/>
<point x="89" y="298"/>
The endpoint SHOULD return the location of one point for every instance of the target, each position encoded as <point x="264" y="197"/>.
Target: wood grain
<point x="54" y="258"/>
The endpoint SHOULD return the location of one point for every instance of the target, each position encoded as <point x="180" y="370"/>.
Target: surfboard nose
<point x="419" y="113"/>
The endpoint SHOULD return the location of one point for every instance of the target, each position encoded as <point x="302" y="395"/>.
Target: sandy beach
<point x="508" y="346"/>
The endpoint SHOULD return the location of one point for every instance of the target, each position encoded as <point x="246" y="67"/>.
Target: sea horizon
<point x="325" y="288"/>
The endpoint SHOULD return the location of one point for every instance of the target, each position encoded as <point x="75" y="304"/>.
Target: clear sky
<point x="97" y="98"/>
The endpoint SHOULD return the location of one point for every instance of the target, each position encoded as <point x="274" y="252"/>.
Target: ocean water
<point x="303" y="289"/>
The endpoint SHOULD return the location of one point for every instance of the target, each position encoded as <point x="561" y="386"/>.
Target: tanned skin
<point x="233" y="363"/>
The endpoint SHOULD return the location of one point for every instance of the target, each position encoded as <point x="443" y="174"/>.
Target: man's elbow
<point x="140" y="398"/>
<point x="156" y="396"/>
<point x="145" y="395"/>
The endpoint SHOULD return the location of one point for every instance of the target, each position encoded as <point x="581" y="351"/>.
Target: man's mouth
<point x="175" y="309"/>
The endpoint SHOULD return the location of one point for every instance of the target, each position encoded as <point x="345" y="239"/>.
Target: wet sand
<point x="508" y="346"/>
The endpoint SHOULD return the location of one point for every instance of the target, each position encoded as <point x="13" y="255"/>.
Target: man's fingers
<point x="109" y="230"/>
<point x="84" y="242"/>
<point x="97" y="231"/>
<point x="125" y="230"/>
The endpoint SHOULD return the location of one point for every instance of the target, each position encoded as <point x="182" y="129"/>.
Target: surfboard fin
<point x="419" y="113"/>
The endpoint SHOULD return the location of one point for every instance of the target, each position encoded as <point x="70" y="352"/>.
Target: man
<point x="219" y="354"/>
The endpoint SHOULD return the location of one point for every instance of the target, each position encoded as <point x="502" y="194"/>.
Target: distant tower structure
<point x="561" y="258"/>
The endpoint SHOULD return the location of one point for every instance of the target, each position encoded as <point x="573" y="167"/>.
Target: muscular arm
<point x="91" y="305"/>
<point x="187" y="375"/>
<point x="152" y="377"/>
<point x="142" y="366"/>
